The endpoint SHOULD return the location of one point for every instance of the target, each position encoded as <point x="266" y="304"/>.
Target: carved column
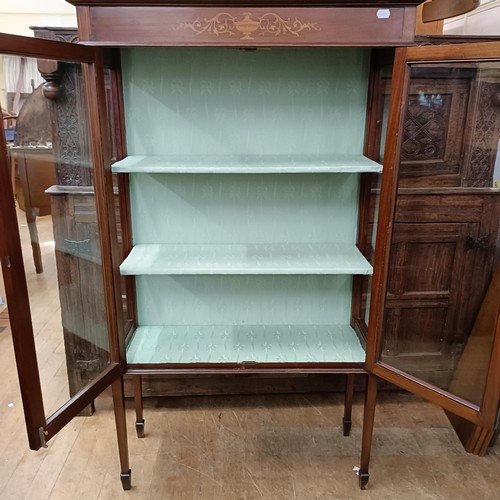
<point x="484" y="134"/>
<point x="64" y="87"/>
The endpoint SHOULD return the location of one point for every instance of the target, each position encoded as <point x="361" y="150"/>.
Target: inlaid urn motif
<point x="247" y="26"/>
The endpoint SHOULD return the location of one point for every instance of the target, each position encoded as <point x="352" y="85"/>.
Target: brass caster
<point x="139" y="428"/>
<point x="346" y="426"/>
<point x="126" y="479"/>
<point x="363" y="480"/>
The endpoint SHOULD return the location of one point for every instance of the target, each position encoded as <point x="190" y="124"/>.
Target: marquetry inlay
<point x="247" y="26"/>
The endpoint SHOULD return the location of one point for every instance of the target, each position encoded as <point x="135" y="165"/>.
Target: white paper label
<point x="384" y="13"/>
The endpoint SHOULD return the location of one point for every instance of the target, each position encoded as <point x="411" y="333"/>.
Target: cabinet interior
<point x="244" y="169"/>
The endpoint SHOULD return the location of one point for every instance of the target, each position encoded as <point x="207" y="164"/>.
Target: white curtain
<point x="16" y="75"/>
<point x="21" y="77"/>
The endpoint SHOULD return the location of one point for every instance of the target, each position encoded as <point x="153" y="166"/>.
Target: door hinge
<point x="42" y="434"/>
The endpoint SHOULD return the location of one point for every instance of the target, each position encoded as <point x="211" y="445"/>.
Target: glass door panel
<point x="439" y="280"/>
<point x="52" y="177"/>
<point x="52" y="254"/>
<point x="444" y="249"/>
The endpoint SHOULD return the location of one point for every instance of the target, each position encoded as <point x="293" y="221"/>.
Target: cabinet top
<point x="249" y="3"/>
<point x="247" y="22"/>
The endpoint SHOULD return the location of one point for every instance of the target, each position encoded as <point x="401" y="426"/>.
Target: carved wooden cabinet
<point x="252" y="214"/>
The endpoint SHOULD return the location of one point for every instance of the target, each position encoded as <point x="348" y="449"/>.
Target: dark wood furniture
<point x="185" y="283"/>
<point x="33" y="164"/>
<point x="35" y="168"/>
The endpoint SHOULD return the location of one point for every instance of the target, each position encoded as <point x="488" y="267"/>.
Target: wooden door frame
<point x="40" y="428"/>
<point x="486" y="414"/>
<point x="16" y="290"/>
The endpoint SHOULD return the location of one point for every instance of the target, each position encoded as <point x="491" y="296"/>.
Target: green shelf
<point x="245" y="164"/>
<point x="157" y="259"/>
<point x="245" y="343"/>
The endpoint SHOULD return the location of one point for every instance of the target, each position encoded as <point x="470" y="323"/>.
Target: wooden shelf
<point x="156" y="259"/>
<point x="246" y="164"/>
<point x="241" y="343"/>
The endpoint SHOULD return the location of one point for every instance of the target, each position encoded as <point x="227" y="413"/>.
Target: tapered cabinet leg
<point x="349" y="396"/>
<point x="368" y="421"/>
<point x="121" y="432"/>
<point x="139" y="418"/>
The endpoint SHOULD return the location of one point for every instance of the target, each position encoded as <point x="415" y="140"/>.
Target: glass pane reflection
<point x="48" y="147"/>
<point x="441" y="303"/>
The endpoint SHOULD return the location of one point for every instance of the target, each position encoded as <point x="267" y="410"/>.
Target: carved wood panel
<point x="422" y="302"/>
<point x="426" y="127"/>
<point x="484" y="127"/>
<point x="433" y="140"/>
<point x="71" y="141"/>
<point x="68" y="113"/>
<point x="451" y="129"/>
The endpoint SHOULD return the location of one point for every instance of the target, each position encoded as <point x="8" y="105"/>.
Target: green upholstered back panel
<point x="240" y="300"/>
<point x="218" y="208"/>
<point x="221" y="101"/>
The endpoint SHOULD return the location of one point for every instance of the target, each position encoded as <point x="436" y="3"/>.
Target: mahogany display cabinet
<point x="270" y="198"/>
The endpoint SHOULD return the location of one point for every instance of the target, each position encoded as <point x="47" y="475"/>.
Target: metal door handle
<point x="481" y="242"/>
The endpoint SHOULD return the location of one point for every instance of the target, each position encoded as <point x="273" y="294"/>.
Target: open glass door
<point x="435" y="326"/>
<point x="56" y="215"/>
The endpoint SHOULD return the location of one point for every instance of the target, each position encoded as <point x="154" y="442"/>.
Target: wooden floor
<point x="239" y="447"/>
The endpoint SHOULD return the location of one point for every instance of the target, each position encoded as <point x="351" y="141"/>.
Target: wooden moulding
<point x="246" y="368"/>
<point x="48" y="49"/>
<point x="247" y="26"/>
<point x="218" y="384"/>
<point x="265" y="3"/>
<point x="105" y="204"/>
